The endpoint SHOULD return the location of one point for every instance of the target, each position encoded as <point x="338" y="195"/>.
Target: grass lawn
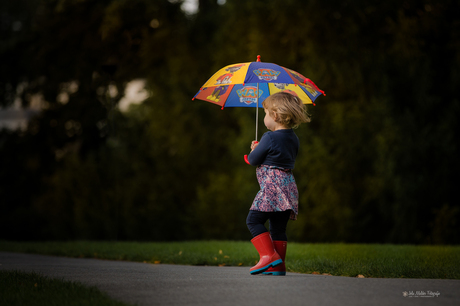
<point x="19" y="288"/>
<point x="368" y="260"/>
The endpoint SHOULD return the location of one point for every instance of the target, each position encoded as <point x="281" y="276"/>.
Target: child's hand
<point x="254" y="144"/>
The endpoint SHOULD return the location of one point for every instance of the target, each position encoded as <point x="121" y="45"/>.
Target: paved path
<point x="147" y="284"/>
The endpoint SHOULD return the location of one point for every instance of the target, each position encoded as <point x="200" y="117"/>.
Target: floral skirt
<point x="278" y="191"/>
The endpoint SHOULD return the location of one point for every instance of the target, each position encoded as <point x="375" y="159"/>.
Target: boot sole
<point x="272" y="264"/>
<point x="275" y="273"/>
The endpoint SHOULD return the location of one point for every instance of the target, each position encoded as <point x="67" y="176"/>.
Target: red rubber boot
<point x="280" y="247"/>
<point x="268" y="256"/>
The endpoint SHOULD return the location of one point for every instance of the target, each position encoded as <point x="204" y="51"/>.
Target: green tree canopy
<point x="376" y="164"/>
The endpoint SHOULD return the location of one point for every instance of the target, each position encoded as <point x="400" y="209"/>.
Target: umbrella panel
<point x="254" y="72"/>
<point x="247" y="95"/>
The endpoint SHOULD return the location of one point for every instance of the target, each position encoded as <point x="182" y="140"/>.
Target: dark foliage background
<point x="377" y="163"/>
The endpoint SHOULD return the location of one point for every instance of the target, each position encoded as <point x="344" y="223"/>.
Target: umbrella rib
<point x="307" y="79"/>
<point x="223" y="105"/>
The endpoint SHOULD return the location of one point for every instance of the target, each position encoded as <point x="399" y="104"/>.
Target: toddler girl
<point x="277" y="200"/>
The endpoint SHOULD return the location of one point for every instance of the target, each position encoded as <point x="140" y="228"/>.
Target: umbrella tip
<point x="258" y="58"/>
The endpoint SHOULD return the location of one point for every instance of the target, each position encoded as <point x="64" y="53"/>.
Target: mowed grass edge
<point x="368" y="260"/>
<point x="20" y="288"/>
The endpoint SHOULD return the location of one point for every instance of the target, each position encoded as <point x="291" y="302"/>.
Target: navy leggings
<point x="278" y="222"/>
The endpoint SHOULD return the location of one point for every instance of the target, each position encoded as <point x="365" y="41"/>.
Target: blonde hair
<point x="289" y="109"/>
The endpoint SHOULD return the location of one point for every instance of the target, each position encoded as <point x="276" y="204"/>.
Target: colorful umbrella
<point x="249" y="84"/>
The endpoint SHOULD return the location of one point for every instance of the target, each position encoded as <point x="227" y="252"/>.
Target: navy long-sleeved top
<point x="278" y="148"/>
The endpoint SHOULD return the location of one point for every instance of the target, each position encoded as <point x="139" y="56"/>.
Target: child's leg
<point x="278" y="224"/>
<point x="256" y="222"/>
<point x="262" y="242"/>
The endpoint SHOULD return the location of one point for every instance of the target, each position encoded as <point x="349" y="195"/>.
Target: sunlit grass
<point x="369" y="260"/>
<point x="373" y="260"/>
<point x="19" y="288"/>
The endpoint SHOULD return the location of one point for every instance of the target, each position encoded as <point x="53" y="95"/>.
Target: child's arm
<point x="254" y="144"/>
<point x="259" y="150"/>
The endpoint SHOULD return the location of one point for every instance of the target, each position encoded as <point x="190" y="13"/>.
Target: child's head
<point x="289" y="109"/>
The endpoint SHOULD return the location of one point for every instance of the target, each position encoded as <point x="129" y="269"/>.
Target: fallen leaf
<point x="316" y="273"/>
<point x="156" y="262"/>
<point x="360" y="276"/>
<point x="326" y="274"/>
<point x="240" y="264"/>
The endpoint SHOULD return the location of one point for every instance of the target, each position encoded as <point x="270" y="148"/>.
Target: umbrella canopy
<point x="249" y="84"/>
